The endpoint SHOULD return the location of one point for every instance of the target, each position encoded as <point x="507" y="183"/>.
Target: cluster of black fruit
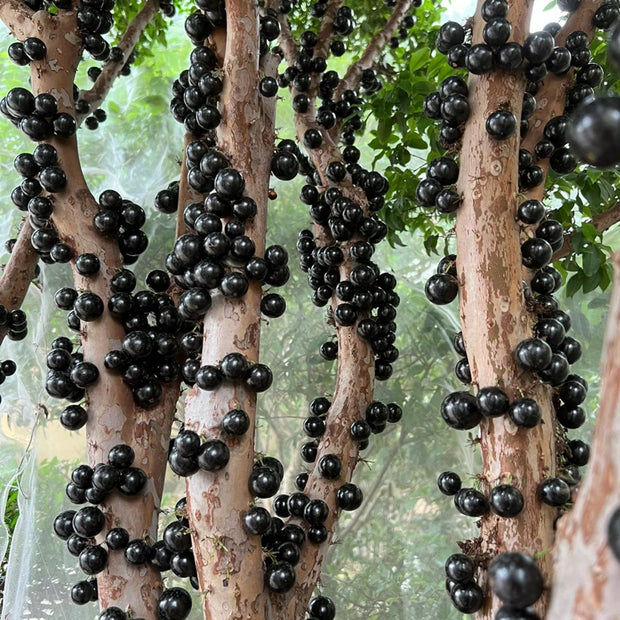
<point x="146" y="359"/>
<point x="174" y="552"/>
<point x="188" y="453"/>
<point x="122" y="220"/>
<point x="594" y="131"/>
<point x="14" y="323"/>
<point x="42" y="177"/>
<point x="37" y="117"/>
<point x="514" y="578"/>
<point x="79" y="528"/>
<point x="95" y="19"/>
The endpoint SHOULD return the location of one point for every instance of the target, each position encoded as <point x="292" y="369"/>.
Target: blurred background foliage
<point x="388" y="560"/>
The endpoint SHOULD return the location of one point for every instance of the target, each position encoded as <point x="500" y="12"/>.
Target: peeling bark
<point x="495" y="319"/>
<point x="19" y="270"/>
<point x="16" y="15"/>
<point x="113" y="416"/>
<point x="228" y="560"/>
<point x="586" y="573"/>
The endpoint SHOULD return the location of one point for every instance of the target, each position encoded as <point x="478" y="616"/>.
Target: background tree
<point x="213" y="543"/>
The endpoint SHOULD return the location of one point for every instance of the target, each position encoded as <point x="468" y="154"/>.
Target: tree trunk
<point x="113" y="416"/>
<point x="494" y="317"/>
<point x="586" y="573"/>
<point x="229" y="561"/>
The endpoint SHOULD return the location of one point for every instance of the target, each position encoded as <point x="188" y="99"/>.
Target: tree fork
<point x="229" y="561"/>
<point x="113" y="416"/>
<point x="494" y="317"/>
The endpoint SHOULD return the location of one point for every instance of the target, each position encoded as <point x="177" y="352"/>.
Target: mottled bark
<point x="327" y="28"/>
<point x="228" y="560"/>
<point x="113" y="416"/>
<point x="494" y="317"/>
<point x="16" y="15"/>
<point x="586" y="573"/>
<point x="355" y="373"/>
<point x="19" y="269"/>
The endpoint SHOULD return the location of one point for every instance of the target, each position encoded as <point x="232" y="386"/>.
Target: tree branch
<point x="351" y="79"/>
<point x="111" y="70"/>
<point x="551" y="97"/>
<point x="19" y="270"/>
<point x="586" y="572"/>
<point x="374" y="487"/>
<point x="601" y="222"/>
<point x="228" y="561"/>
<point x="113" y="416"/>
<point x="327" y="28"/>
<point x="17" y="17"/>
<point x="286" y="41"/>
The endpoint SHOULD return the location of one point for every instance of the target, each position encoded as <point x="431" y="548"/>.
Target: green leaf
<point x="419" y="59"/>
<point x="589" y="232"/>
<point x="592" y="260"/>
<point x="430" y="244"/>
<point x="574" y="284"/>
<point x="591" y="283"/>
<point x="384" y="130"/>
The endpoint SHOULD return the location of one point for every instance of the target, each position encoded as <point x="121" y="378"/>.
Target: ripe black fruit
<point x="174" y="604"/>
<point x="460" y="410"/>
<point x="280" y="577"/>
<point x="594" y="131"/>
<point x="93" y="559"/>
<point x="236" y="422"/>
<point x="538" y="47"/>
<point x="471" y="502"/>
<point x="501" y="124"/>
<point x="213" y="455"/>
<point x="506" y="500"/>
<point x="349" y="496"/>
<point x="449" y="483"/>
<point x="330" y="466"/>
<point x="613" y="533"/>
<point x="533" y="354"/>
<point x="467" y="597"/>
<point x="257" y="520"/>
<point x="555" y="492"/>
<point x="515" y="579"/>
<point x="441" y="288"/>
<point x="525" y="412"/>
<point x="492" y="401"/>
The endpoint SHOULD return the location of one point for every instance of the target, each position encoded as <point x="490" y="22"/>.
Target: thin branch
<point x="327" y="28"/>
<point x="17" y="18"/>
<point x="351" y="79"/>
<point x="601" y="222"/>
<point x="286" y="41"/>
<point x="551" y="97"/>
<point x="18" y="272"/>
<point x="374" y="487"/>
<point x="111" y="70"/>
